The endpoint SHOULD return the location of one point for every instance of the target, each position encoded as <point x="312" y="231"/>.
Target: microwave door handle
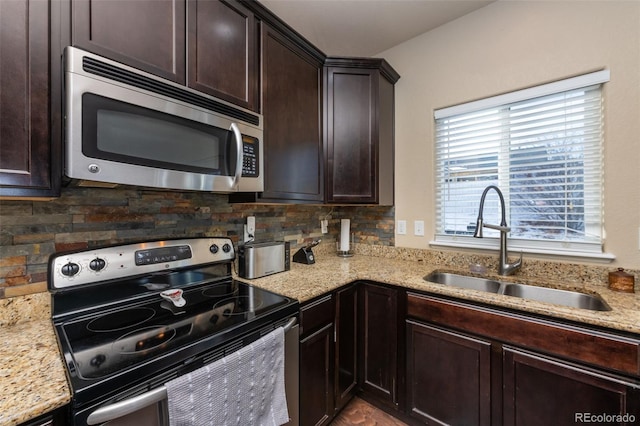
<point x="240" y="155"/>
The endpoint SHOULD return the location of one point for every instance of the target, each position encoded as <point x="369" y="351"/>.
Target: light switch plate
<point x="418" y="228"/>
<point x="401" y="227"/>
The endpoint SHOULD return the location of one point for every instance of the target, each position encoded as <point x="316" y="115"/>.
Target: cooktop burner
<point x="120" y="320"/>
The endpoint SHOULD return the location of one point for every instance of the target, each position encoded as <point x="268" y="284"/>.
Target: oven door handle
<point x="128" y="406"/>
<point x="289" y="325"/>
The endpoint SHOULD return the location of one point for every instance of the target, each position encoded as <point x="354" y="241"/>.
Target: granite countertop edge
<point x="33" y="380"/>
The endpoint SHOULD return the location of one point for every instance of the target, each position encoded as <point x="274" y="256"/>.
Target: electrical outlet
<point x="401" y="227"/>
<point x="250" y="229"/>
<point x="418" y="228"/>
<point x="251" y="225"/>
<point x="324" y="226"/>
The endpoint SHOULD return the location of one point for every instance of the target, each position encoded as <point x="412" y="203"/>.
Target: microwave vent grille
<point x="112" y="72"/>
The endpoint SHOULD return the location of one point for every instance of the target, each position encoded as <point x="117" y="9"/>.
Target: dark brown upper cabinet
<point x="359" y="131"/>
<point x="216" y="41"/>
<point x="145" y="34"/>
<point x="28" y="153"/>
<point x="222" y="51"/>
<point x="292" y="113"/>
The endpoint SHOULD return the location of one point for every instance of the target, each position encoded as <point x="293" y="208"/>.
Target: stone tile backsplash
<point x="30" y="231"/>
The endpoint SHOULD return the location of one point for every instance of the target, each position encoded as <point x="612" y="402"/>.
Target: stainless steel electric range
<point x="131" y="317"/>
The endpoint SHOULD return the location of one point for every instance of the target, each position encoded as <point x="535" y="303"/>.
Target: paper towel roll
<point x="345" y="234"/>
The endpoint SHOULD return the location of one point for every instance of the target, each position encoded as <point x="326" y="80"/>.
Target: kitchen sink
<point x="463" y="281"/>
<point x="574" y="299"/>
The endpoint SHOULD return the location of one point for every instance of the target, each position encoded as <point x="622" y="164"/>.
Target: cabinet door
<point x="378" y="369"/>
<point x="145" y="34"/>
<point x="346" y="344"/>
<point x="222" y="51"/>
<point x="316" y="377"/>
<point x="25" y="138"/>
<point x="544" y="391"/>
<point x="352" y="135"/>
<point x="292" y="113"/>
<point x="448" y="376"/>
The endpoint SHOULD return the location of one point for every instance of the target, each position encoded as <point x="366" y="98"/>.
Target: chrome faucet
<point x="504" y="267"/>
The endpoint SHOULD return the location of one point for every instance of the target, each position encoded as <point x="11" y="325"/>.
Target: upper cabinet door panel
<point x="25" y="150"/>
<point x="222" y="51"/>
<point x="292" y="114"/>
<point x="353" y="135"/>
<point x="145" y="34"/>
<point x="359" y="130"/>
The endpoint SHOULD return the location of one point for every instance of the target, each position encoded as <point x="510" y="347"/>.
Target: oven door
<point x="122" y="134"/>
<point x="150" y="409"/>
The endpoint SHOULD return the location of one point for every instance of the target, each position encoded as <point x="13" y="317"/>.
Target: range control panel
<point x="117" y="262"/>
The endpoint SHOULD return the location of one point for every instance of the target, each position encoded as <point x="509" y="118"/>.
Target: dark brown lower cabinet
<point x="545" y="391"/>
<point x="448" y="376"/>
<point x="316" y="383"/>
<point x="317" y="361"/>
<point x="346" y="321"/>
<point x="470" y="364"/>
<point x="328" y="355"/>
<point x="434" y="360"/>
<point x="379" y="343"/>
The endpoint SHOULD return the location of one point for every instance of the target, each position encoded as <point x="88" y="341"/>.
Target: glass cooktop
<point x="110" y="341"/>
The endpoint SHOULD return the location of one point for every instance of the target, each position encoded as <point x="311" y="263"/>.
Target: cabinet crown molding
<point x="386" y="70"/>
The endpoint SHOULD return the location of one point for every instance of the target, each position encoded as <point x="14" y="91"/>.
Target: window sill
<point x="492" y="244"/>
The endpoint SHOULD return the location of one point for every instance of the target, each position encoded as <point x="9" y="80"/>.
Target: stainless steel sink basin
<point x="559" y="297"/>
<point x="463" y="281"/>
<point x="572" y="299"/>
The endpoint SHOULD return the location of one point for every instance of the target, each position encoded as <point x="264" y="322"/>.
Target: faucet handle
<point x="507" y="268"/>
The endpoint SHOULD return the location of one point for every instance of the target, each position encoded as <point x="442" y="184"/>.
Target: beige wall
<point x="511" y="45"/>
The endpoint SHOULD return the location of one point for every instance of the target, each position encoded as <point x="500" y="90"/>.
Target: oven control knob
<point x="214" y="248"/>
<point x="97" y="360"/>
<point x="70" y="269"/>
<point x="226" y="248"/>
<point x="97" y="264"/>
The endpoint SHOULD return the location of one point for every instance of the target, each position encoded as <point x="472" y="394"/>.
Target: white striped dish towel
<point x="245" y="388"/>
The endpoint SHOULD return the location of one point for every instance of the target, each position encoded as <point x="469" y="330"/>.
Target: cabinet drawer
<point x="315" y="315"/>
<point x="593" y="347"/>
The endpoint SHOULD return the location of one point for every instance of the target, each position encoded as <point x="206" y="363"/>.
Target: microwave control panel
<point x="250" y="151"/>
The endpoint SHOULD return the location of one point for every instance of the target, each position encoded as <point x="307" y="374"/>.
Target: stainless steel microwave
<point x="125" y="126"/>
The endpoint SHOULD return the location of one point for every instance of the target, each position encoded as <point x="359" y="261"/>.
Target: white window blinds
<point x="543" y="148"/>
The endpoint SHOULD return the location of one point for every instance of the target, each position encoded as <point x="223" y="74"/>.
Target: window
<point x="543" y="148"/>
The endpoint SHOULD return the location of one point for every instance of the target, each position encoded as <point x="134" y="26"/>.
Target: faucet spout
<point x="504" y="267"/>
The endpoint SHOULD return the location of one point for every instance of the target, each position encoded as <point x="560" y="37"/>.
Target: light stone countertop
<point x="33" y="379"/>
<point x="304" y="282"/>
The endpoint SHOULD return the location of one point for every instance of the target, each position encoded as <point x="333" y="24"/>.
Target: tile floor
<point x="361" y="413"/>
